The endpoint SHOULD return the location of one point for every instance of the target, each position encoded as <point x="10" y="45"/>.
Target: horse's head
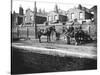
<point x="52" y="28"/>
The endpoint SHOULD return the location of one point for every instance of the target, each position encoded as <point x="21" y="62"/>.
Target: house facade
<point x="29" y="17"/>
<point x="57" y="16"/>
<point x="80" y="13"/>
<point x="94" y="11"/>
<point x="16" y="19"/>
<point x="54" y="17"/>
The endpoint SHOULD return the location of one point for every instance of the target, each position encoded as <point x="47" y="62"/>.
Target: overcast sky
<point x="48" y="5"/>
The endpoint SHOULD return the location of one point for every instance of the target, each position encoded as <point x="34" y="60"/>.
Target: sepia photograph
<point x="53" y="36"/>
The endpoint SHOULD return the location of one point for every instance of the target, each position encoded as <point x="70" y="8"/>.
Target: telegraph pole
<point x="34" y="23"/>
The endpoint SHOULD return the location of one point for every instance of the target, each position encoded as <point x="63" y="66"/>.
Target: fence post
<point x="89" y="30"/>
<point x="27" y="33"/>
<point x="17" y="32"/>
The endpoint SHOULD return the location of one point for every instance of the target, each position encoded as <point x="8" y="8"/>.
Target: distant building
<point x="81" y="14"/>
<point x="56" y="16"/>
<point x="17" y="18"/>
<point x="29" y="17"/>
<point x="21" y="11"/>
<point x="94" y="11"/>
<point x="14" y="19"/>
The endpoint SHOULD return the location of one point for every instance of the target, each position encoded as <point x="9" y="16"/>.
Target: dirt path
<point x="58" y="49"/>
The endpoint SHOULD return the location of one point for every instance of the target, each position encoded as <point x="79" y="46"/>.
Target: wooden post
<point x="89" y="29"/>
<point x="68" y="40"/>
<point x="27" y="33"/>
<point x="35" y="25"/>
<point x="17" y="32"/>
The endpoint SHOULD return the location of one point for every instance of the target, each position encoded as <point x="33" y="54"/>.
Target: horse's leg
<point x="80" y="39"/>
<point x="76" y="40"/>
<point x="68" y="40"/>
<point x="76" y="43"/>
<point x="47" y="38"/>
<point x="52" y="35"/>
<point x="56" y="36"/>
<point x="39" y="39"/>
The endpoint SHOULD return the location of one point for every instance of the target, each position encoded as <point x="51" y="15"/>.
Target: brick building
<point x="94" y="11"/>
<point x="17" y="18"/>
<point x="57" y="16"/>
<point x="80" y="13"/>
<point x="14" y="19"/>
<point x="29" y="17"/>
<point x="54" y="17"/>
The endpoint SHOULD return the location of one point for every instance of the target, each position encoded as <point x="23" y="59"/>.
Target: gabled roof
<point x="29" y="10"/>
<point x="38" y="14"/>
<point x="17" y="14"/>
<point x="60" y="12"/>
<point x="85" y="9"/>
<point x="82" y="9"/>
<point x="94" y="8"/>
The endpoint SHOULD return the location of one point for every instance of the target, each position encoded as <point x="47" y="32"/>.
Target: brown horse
<point x="45" y="32"/>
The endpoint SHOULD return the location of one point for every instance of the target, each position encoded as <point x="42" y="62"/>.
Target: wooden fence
<point x="29" y="31"/>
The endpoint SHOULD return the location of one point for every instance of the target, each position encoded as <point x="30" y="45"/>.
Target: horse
<point x="45" y="32"/>
<point x="76" y="33"/>
<point x="82" y="37"/>
<point x="79" y="35"/>
<point x="70" y="32"/>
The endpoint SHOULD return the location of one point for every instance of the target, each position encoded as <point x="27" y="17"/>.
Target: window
<point x="72" y="16"/>
<point x="56" y="17"/>
<point x="52" y="18"/>
<point x="31" y="18"/>
<point x="49" y="18"/>
<point x="80" y="15"/>
<point x="25" y="18"/>
<point x="92" y="12"/>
